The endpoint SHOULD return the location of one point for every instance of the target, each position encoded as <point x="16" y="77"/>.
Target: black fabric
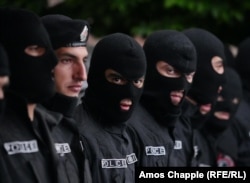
<point x="30" y="76"/>
<point x="230" y="58"/>
<point x="4" y="71"/>
<point x="217" y="152"/>
<point x="53" y="135"/>
<point x="231" y="89"/>
<point x="4" y="65"/>
<point x="242" y="115"/>
<point x="184" y="145"/>
<point x="192" y="111"/>
<point x="66" y="105"/>
<point x="206" y="81"/>
<point x="242" y="62"/>
<point x="242" y="126"/>
<point x="38" y="164"/>
<point x="154" y="143"/>
<point x="227" y="148"/>
<point x="177" y="50"/>
<point x="124" y="55"/>
<point x="107" y="150"/>
<point x="66" y="32"/>
<point x="2" y="108"/>
<point x="62" y="104"/>
<point x="217" y="134"/>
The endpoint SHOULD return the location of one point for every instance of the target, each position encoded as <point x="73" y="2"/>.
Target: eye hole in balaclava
<point x="217" y="64"/>
<point x="167" y="70"/>
<point x="35" y="50"/>
<point x="116" y="78"/>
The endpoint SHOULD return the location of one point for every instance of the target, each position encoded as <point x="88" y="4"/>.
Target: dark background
<point x="228" y="19"/>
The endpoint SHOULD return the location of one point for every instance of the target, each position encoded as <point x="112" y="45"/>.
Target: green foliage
<point x="37" y="6"/>
<point x="226" y="18"/>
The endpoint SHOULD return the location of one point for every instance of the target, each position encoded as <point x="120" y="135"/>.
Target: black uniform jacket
<point x="154" y="142"/>
<point x="109" y="149"/>
<point x="37" y="151"/>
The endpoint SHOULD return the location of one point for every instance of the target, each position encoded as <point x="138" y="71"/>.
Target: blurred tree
<point x="228" y="19"/>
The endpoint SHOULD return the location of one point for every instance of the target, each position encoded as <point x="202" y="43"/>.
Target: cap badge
<point x="84" y="34"/>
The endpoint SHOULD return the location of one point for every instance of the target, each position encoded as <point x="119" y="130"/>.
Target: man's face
<point x="217" y="65"/>
<point x="70" y="72"/>
<point x="116" y="78"/>
<point x="169" y="71"/>
<point x="4" y="80"/>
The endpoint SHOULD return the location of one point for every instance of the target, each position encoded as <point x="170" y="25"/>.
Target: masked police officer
<point x="165" y="137"/>
<point x="32" y="146"/>
<point x="207" y="82"/>
<point x="115" y="83"/>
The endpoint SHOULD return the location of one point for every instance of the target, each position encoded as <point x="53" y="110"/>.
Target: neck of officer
<point x="31" y="109"/>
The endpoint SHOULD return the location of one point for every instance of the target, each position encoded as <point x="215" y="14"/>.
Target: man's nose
<point x="80" y="72"/>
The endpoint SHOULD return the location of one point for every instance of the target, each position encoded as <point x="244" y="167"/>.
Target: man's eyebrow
<point x="68" y="55"/>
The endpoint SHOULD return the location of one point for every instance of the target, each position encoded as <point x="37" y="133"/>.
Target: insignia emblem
<point x="155" y="150"/>
<point x="84" y="34"/>
<point x="18" y="147"/>
<point x="131" y="158"/>
<point x="114" y="163"/>
<point x="62" y="148"/>
<point x="178" y="144"/>
<point x="225" y="161"/>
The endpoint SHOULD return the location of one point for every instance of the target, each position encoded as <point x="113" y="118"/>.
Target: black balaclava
<point x="230" y="59"/>
<point x="231" y="89"/>
<point x="177" y="50"/>
<point x="206" y="81"/>
<point x="30" y="76"/>
<point x="4" y="71"/>
<point x="4" y="65"/>
<point x="123" y="54"/>
<point x="242" y="63"/>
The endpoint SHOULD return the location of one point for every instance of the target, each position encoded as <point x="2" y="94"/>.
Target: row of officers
<point x="172" y="102"/>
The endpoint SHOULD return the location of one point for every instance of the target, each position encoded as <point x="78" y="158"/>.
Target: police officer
<point x="31" y="151"/>
<point x="171" y="63"/>
<point x="207" y="81"/>
<point x="218" y="132"/>
<point x="24" y="147"/>
<point x="69" y="39"/>
<point x="115" y="83"/>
